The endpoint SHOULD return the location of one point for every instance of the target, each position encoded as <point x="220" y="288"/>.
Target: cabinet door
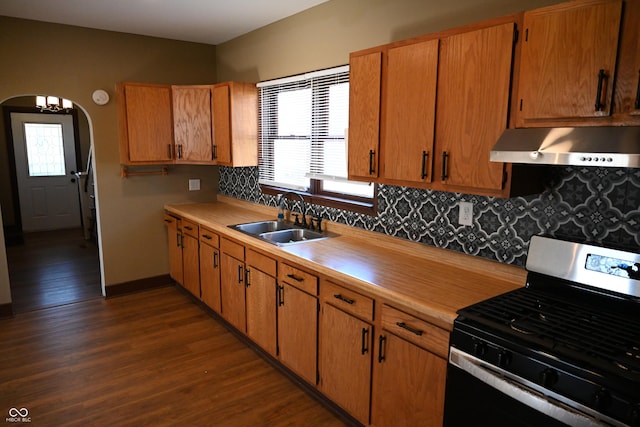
<point x="564" y="51"/>
<point x="210" y="276"/>
<point x="345" y="361"/>
<point x="261" y="309"/>
<point x="298" y="331"/>
<point x="221" y="109"/>
<point x="365" y="78"/>
<point x="174" y="241"/>
<point x="232" y="290"/>
<point x="410" y="112"/>
<point x="474" y="80"/>
<point x="191" y="264"/>
<point x="145" y="122"/>
<point x="409" y="385"/>
<point x="192" y="124"/>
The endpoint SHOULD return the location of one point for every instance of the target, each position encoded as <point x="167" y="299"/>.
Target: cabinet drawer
<point x="349" y="301"/>
<point x="170" y="219"/>
<point x="208" y="237"/>
<point x="298" y="278"/>
<point x="417" y="331"/>
<point x="231" y="248"/>
<point x="190" y="228"/>
<point x="261" y="262"/>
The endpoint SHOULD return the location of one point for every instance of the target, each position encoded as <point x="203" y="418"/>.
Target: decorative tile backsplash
<point x="586" y="204"/>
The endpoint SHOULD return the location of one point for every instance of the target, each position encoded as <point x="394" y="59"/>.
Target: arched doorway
<point x="50" y="263"/>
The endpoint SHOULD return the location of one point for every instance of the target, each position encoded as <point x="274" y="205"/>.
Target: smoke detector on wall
<point x="100" y="97"/>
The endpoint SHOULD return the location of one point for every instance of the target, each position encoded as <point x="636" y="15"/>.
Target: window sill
<point x="356" y="206"/>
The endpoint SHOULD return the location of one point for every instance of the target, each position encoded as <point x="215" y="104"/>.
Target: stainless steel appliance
<point x="564" y="350"/>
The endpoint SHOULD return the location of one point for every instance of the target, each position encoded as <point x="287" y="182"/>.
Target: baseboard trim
<point x="6" y="310"/>
<point x="138" y="285"/>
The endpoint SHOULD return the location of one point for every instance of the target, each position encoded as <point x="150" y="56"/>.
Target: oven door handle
<point x="508" y="384"/>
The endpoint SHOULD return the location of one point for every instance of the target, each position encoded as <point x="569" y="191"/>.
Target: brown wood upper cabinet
<point x="145" y="123"/>
<point x="234" y="106"/>
<point x="192" y="124"/>
<point x="208" y="124"/>
<point x="580" y="64"/>
<point x="427" y="111"/>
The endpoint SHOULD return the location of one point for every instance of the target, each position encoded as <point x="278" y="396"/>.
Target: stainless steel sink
<point x="292" y="236"/>
<point x="255" y="228"/>
<point x="280" y="233"/>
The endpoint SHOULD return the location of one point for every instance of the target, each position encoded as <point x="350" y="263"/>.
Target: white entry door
<point x="45" y="156"/>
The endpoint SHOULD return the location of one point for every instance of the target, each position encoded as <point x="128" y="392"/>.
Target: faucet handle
<point x="318" y="222"/>
<point x="297" y="218"/>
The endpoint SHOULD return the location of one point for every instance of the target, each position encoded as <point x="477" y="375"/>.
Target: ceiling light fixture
<point x="52" y="104"/>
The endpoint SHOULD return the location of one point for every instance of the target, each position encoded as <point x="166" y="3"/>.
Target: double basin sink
<point x="280" y="233"/>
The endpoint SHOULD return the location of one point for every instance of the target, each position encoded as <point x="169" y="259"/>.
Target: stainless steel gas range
<point x="564" y="350"/>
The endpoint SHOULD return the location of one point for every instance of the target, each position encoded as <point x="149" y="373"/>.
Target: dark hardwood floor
<point x="149" y="358"/>
<point x="53" y="268"/>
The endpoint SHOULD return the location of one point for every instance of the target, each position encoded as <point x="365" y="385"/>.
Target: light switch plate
<point x="465" y="215"/>
<point x="194" y="184"/>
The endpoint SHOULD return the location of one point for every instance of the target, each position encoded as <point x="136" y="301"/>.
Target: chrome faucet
<point x="303" y="208"/>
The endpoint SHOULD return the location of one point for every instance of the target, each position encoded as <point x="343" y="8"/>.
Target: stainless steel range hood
<point x="578" y="146"/>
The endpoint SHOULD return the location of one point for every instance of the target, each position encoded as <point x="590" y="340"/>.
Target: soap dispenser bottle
<point x="281" y="207"/>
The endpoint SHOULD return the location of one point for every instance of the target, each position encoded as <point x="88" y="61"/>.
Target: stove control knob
<point x="601" y="399"/>
<point x="548" y="377"/>
<point x="479" y="348"/>
<point x="504" y="358"/>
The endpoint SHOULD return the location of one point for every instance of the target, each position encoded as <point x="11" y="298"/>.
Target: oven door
<point x="478" y="393"/>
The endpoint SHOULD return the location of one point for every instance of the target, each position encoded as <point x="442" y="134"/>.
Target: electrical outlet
<point x="194" y="184"/>
<point x="465" y="214"/>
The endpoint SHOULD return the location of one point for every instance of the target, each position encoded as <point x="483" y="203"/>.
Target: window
<point x="45" y="150"/>
<point x="303" y="122"/>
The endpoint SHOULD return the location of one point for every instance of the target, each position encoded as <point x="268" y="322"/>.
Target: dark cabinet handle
<point x="601" y="76"/>
<point x="214" y="153"/>
<point x="280" y="290"/>
<point x="345" y="299"/>
<point x="372" y="154"/>
<point x="215" y="260"/>
<point x="179" y="151"/>
<point x="381" y="342"/>
<point x="168" y="221"/>
<point x="246" y="277"/>
<point x="296" y="278"/>
<point x="178" y="239"/>
<point x="409" y="328"/>
<point x="206" y="236"/>
<point x="637" y="104"/>
<point x="169" y="151"/>
<point x="240" y="274"/>
<point x="425" y="156"/>
<point x="445" y="157"/>
<point x="365" y="340"/>
<point x="188" y="227"/>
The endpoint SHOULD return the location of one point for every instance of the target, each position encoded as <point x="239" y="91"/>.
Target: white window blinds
<point x="303" y="121"/>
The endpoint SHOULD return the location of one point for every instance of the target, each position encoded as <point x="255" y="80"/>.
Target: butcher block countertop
<point x="425" y="281"/>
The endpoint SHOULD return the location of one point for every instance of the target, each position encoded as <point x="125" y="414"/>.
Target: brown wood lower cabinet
<point x="174" y="242"/>
<point x="191" y="266"/>
<point x="298" y="322"/>
<point x="232" y="285"/>
<point x="261" y="300"/>
<point x="210" y="274"/>
<point x="345" y="361"/>
<point x="409" y="381"/>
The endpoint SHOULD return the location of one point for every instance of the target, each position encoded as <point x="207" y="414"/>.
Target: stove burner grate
<point x="562" y="326"/>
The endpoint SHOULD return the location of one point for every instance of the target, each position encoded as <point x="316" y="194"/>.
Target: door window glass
<point x="45" y="149"/>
